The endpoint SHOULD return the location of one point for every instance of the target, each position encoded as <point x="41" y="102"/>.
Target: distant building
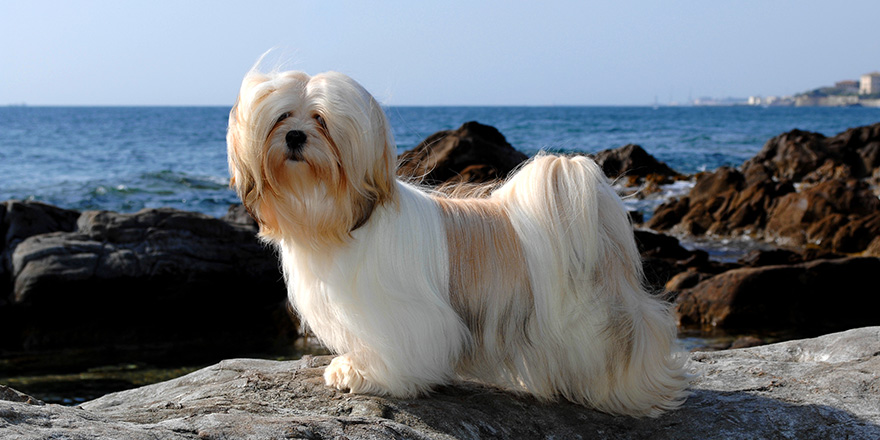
<point x="771" y="101"/>
<point x="869" y="84"/>
<point x="847" y="86"/>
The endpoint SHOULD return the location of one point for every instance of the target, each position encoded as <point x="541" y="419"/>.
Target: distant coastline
<point x="864" y="92"/>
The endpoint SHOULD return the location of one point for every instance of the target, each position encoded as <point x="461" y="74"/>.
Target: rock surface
<point x="818" y="388"/>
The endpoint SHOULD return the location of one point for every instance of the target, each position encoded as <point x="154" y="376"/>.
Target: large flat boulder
<point x="158" y="275"/>
<point x="809" y="389"/>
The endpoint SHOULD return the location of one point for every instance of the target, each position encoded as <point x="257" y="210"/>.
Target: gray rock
<point x="22" y="219"/>
<point x="149" y="245"/>
<point x="158" y="275"/>
<point x="819" y="388"/>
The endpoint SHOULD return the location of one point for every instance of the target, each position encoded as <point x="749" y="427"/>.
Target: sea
<point x="129" y="158"/>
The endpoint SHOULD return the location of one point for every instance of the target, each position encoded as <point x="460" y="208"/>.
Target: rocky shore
<point x="188" y="283"/>
<point x="820" y="388"/>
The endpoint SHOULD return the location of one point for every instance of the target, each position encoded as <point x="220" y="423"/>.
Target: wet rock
<point x="473" y="153"/>
<point x="814" y="388"/>
<point x="810" y="297"/>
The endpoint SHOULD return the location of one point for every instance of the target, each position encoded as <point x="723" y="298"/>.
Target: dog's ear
<point x="377" y="184"/>
<point x="356" y="129"/>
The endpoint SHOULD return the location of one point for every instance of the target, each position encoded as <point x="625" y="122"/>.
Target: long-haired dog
<point x="537" y="287"/>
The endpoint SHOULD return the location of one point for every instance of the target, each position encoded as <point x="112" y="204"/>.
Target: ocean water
<point x="129" y="158"/>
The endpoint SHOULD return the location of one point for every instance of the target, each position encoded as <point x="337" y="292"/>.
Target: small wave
<point x="725" y="250"/>
<point x="178" y="178"/>
<point x="647" y="204"/>
<point x="103" y="190"/>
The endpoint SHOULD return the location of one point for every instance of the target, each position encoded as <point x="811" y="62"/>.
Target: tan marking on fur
<point x="620" y="349"/>
<point x="620" y="327"/>
<point x="488" y="276"/>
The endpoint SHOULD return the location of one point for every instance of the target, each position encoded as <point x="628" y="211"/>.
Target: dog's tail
<point x="597" y="337"/>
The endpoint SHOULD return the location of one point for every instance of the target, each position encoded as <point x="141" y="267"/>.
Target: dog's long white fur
<point x="537" y="287"/>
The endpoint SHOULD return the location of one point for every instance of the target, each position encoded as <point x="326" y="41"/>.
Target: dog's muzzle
<point x="296" y="140"/>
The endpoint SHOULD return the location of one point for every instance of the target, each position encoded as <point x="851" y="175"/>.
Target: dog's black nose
<point x="296" y="139"/>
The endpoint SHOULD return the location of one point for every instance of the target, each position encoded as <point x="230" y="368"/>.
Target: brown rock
<point x="792" y="155"/>
<point x="669" y="214"/>
<point x="686" y="280"/>
<point x="719" y="184"/>
<point x="873" y="249"/>
<point x="856" y="234"/>
<point x="473" y="153"/>
<point x="819" y="295"/>
<point x="774" y="257"/>
<point x="721" y="204"/>
<point x="633" y="161"/>
<point x="858" y="148"/>
<point x="854" y="153"/>
<point x="816" y="214"/>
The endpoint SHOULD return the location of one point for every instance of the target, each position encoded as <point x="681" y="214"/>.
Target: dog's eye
<point x="320" y="120"/>
<point x="282" y="117"/>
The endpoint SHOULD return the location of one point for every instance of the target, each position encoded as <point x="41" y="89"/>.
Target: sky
<point x="625" y="52"/>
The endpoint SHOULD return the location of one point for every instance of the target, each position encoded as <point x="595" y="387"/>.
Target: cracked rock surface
<point x="826" y="387"/>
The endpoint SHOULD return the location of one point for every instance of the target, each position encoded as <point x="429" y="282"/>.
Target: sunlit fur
<point x="535" y="287"/>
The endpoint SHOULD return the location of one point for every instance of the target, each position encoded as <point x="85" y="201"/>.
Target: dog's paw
<point x="343" y="375"/>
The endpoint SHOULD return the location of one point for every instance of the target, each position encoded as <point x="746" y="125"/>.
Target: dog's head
<point x="310" y="157"/>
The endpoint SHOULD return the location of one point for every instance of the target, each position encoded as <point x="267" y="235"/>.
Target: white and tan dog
<point x="537" y="287"/>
